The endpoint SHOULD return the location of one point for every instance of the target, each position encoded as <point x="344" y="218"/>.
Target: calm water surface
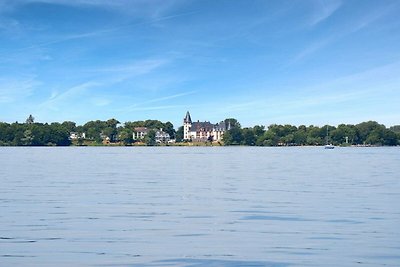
<point x="207" y="206"/>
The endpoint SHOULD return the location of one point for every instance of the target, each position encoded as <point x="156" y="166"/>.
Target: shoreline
<point x="202" y="145"/>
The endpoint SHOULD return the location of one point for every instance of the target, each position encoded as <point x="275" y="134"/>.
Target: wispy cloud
<point x="367" y="84"/>
<point x="9" y="25"/>
<point x="107" y="77"/>
<point x="123" y="72"/>
<point x="310" y="49"/>
<point x="154" y="8"/>
<point x="169" y="97"/>
<point x="118" y="5"/>
<point x="56" y="100"/>
<point x="323" y="10"/>
<point x="157" y="107"/>
<point x="356" y="25"/>
<point x="138" y="67"/>
<point x="370" y="17"/>
<point x="142" y="105"/>
<point x="100" y="101"/>
<point x="148" y="19"/>
<point x="350" y="95"/>
<point x="12" y="90"/>
<point x="372" y="78"/>
<point x="240" y="106"/>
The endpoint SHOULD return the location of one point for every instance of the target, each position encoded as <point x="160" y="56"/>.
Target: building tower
<point x="187" y="123"/>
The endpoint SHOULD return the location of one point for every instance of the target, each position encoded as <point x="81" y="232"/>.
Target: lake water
<point x="199" y="206"/>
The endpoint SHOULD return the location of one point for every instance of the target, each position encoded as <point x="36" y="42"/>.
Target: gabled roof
<point x="221" y="126"/>
<point x="141" y="129"/>
<point x="187" y="118"/>
<point x="202" y="126"/>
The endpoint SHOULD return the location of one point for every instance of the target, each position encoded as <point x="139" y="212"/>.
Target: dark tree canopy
<point x="32" y="133"/>
<point x="365" y="133"/>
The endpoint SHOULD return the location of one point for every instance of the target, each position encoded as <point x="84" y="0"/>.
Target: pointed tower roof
<point x="187" y="118"/>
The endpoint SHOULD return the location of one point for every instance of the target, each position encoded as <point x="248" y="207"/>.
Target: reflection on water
<point x="212" y="263"/>
<point x="203" y="206"/>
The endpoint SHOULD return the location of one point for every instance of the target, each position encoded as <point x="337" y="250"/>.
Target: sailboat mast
<point x="327" y="134"/>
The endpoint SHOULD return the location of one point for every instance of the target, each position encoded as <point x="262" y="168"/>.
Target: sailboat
<point x="328" y="145"/>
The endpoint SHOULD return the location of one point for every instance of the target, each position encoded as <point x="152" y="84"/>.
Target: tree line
<point x="365" y="133"/>
<point x="31" y="133"/>
<point x="34" y="134"/>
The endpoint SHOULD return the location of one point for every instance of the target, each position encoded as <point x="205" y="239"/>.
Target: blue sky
<point x="261" y="62"/>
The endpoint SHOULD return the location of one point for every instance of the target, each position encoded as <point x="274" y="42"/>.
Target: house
<point x="140" y="132"/>
<point x="203" y="131"/>
<point x="162" y="137"/>
<point x="76" y="135"/>
<point x="106" y="140"/>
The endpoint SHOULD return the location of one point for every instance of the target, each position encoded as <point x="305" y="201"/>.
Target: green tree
<point x="287" y="139"/>
<point x="169" y="128"/>
<point x="300" y="136"/>
<point x="150" y="138"/>
<point x="18" y="139"/>
<point x="258" y="130"/>
<point x="60" y="135"/>
<point x="94" y="129"/>
<point x="390" y="138"/>
<point x="153" y="124"/>
<point x="249" y="138"/>
<point x="94" y="134"/>
<point x="395" y="128"/>
<point x="232" y="123"/>
<point x="233" y="136"/>
<point x="111" y="129"/>
<point x="367" y="128"/>
<point x="27" y="140"/>
<point x="179" y="134"/>
<point x="315" y="135"/>
<point x="125" y="136"/>
<point x="70" y="126"/>
<point x="270" y="138"/>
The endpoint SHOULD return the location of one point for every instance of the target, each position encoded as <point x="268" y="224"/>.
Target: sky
<point x="311" y="62"/>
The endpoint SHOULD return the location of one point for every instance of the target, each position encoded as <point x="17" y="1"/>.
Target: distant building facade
<point x="139" y="133"/>
<point x="162" y="137"/>
<point x="76" y="135"/>
<point x="202" y="131"/>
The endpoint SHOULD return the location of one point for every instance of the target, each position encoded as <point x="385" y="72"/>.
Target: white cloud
<point x="355" y="88"/>
<point x="57" y="100"/>
<point x="100" y="101"/>
<point x="369" y="18"/>
<point x="143" y="105"/>
<point x="123" y="72"/>
<point x="136" y="68"/>
<point x="164" y="98"/>
<point x="9" y="25"/>
<point x="354" y="25"/>
<point x="156" y="107"/>
<point x="137" y="8"/>
<point x="323" y="10"/>
<point x="353" y="98"/>
<point x="311" y="49"/>
<point x="12" y="90"/>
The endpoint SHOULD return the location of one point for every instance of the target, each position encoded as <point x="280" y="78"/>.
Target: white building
<point x="76" y="135"/>
<point x="139" y="133"/>
<point x="203" y="131"/>
<point x="162" y="137"/>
